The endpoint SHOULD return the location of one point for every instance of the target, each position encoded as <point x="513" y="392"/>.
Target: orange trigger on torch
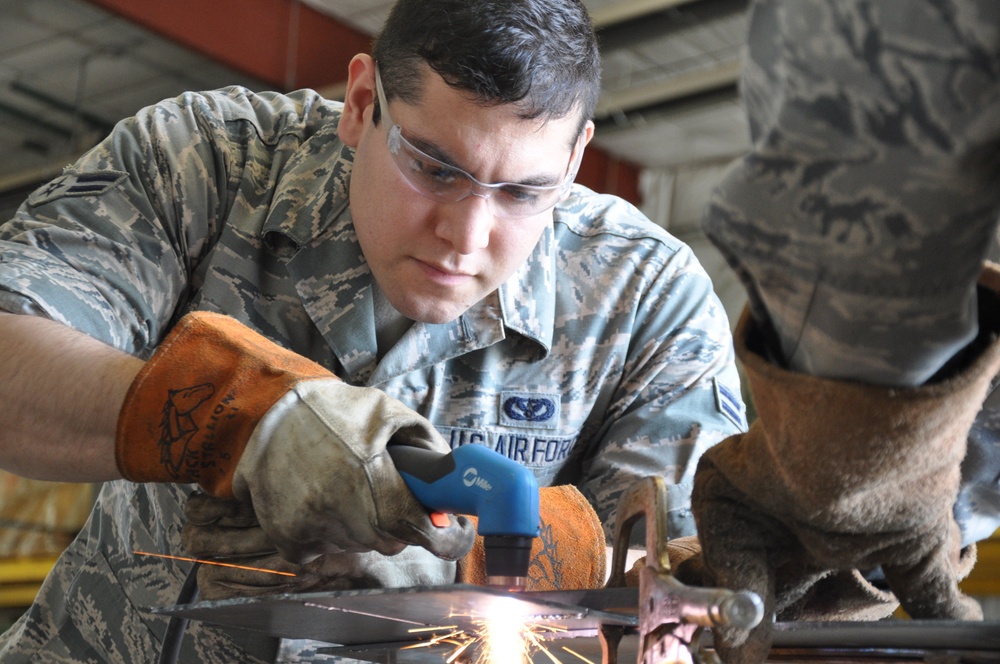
<point x="440" y="519"/>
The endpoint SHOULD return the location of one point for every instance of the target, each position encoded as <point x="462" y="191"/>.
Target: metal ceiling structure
<point x="70" y="69"/>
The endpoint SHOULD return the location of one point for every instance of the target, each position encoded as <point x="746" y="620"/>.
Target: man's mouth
<point x="443" y="272"/>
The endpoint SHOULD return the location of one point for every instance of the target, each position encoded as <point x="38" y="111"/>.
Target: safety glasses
<point x="445" y="183"/>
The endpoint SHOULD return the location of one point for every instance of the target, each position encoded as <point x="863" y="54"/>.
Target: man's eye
<point x="519" y="194"/>
<point x="439" y="173"/>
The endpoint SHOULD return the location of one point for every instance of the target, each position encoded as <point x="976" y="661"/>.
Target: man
<point x="860" y="222"/>
<point x="412" y="265"/>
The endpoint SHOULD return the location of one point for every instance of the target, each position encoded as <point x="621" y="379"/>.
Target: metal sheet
<point x="376" y="625"/>
<point x="893" y="633"/>
<point x="362" y="617"/>
<point x="576" y="650"/>
<point x="895" y="641"/>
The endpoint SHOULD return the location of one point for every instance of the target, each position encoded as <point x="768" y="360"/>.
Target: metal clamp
<point x="671" y="614"/>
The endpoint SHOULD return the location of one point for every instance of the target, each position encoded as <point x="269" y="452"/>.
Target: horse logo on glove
<point x="177" y="427"/>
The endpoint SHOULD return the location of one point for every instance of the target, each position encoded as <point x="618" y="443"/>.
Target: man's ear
<point x="588" y="132"/>
<point x="358" y="99"/>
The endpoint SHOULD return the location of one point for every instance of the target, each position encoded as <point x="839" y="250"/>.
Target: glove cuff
<point x="189" y="412"/>
<point x="825" y="442"/>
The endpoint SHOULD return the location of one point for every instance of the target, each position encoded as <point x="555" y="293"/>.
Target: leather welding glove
<point x="568" y="554"/>
<point x="836" y="476"/>
<point x="684" y="554"/>
<point x="226" y="531"/>
<point x="221" y="406"/>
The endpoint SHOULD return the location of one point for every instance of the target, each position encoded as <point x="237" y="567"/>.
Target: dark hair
<point x="540" y="55"/>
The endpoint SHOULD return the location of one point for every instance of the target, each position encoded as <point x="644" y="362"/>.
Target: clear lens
<point x="447" y="184"/>
<point x="441" y="182"/>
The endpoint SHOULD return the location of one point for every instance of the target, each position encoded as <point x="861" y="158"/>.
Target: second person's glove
<point x="836" y="476"/>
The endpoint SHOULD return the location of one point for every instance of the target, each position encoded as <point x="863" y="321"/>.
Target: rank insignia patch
<point x="727" y="403"/>
<point x="77" y="184"/>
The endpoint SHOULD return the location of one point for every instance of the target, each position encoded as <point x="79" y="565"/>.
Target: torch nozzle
<point x="507" y="560"/>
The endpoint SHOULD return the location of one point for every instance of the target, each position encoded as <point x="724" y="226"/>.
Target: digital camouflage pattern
<point x="606" y="358"/>
<point x="868" y="199"/>
<point x="860" y="219"/>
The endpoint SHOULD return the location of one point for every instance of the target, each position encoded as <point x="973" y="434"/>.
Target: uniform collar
<point x="312" y="189"/>
<point x="528" y="298"/>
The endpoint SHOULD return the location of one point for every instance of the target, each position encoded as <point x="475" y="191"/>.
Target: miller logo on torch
<point x="475" y="480"/>
<point x="471" y="478"/>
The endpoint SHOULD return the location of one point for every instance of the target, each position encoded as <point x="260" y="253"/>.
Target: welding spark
<point x="578" y="656"/>
<point x="504" y="638"/>
<point x="501" y="639"/>
<point x="213" y="562"/>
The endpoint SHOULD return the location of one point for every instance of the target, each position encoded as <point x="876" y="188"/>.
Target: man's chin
<point x="433" y="312"/>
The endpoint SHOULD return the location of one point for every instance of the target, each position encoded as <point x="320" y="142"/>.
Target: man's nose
<point x="467" y="224"/>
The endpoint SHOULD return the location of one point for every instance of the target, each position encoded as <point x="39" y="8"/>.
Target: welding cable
<point x="170" y="651"/>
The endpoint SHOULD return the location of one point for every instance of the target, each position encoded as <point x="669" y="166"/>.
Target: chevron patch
<point x="727" y="403"/>
<point x="77" y="184"/>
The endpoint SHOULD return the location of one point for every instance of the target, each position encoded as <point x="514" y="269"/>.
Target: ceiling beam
<point x="672" y="88"/>
<point x="662" y="19"/>
<point x="70" y="110"/>
<point x="32" y="119"/>
<point x="620" y="12"/>
<point x="632" y="24"/>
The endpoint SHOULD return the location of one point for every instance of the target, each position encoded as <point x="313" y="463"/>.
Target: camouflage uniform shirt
<point x="605" y="358"/>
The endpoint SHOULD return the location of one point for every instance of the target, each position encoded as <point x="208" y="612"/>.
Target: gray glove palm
<point x="227" y="531"/>
<point x="318" y="476"/>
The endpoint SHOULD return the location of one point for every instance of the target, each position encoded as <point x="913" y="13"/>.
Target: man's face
<point x="434" y="259"/>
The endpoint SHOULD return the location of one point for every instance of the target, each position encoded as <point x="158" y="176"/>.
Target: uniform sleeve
<point x="859" y="219"/>
<point x="679" y="395"/>
<point x="110" y="246"/>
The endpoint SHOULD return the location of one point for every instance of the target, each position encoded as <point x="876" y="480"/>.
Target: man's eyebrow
<point x="539" y="181"/>
<point x="435" y="151"/>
